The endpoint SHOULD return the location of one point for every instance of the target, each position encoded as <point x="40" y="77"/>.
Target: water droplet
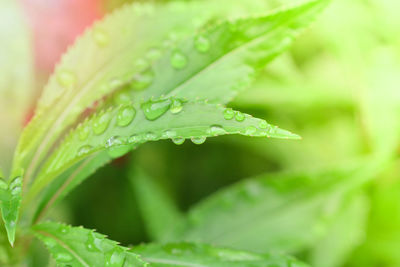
<point x="150" y="136"/>
<point x="64" y="229"/>
<point x="202" y="44"/>
<point x="169" y="134"/>
<point x="198" y="140"/>
<point x="153" y="54"/>
<point x="63" y="257"/>
<point x="115" y="83"/>
<point x="115" y="141"/>
<point x="100" y="37"/>
<point x="216" y="130"/>
<point x="3" y="184"/>
<point x="142" y="80"/>
<point x="155" y="109"/>
<point x="66" y="79"/>
<point x="263" y="124"/>
<point x="122" y="98"/>
<point x="115" y="258"/>
<point x="93" y="243"/>
<point x="16" y="190"/>
<point x="16" y="182"/>
<point x="84" y="132"/>
<point x="176" y="106"/>
<point x="142" y="64"/>
<point x="229" y="114"/>
<point x="239" y="116"/>
<point x="125" y="116"/>
<point x="178" y="140"/>
<point x="250" y="130"/>
<point x="84" y="150"/>
<point x="100" y="124"/>
<point x="134" y="139"/>
<point x="178" y="60"/>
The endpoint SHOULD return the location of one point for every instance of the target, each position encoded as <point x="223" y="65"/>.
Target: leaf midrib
<point x="65" y="246"/>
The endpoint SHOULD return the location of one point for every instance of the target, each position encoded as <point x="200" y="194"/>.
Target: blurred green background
<point x="338" y="87"/>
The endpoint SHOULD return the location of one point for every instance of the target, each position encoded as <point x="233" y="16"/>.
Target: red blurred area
<point x="55" y="25"/>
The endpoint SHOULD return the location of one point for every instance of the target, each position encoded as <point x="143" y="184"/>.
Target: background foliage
<point x="332" y="199"/>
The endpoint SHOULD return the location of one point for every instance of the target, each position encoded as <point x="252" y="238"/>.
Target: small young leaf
<point x="76" y="246"/>
<point x="150" y="121"/>
<point x="10" y="205"/>
<point x="190" y="255"/>
<point x="157" y="208"/>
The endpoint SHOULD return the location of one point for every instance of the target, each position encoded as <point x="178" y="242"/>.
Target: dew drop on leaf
<point x="115" y="258"/>
<point x="216" y="130"/>
<point x="115" y="141"/>
<point x="202" y="44"/>
<point x="178" y="140"/>
<point x="66" y="79"/>
<point x="178" y="60"/>
<point x="153" y="54"/>
<point x="150" y="136"/>
<point x="155" y="109"/>
<point x="198" y="140"/>
<point x="93" y="243"/>
<point x="250" y="130"/>
<point x="239" y="116"/>
<point x="125" y="116"/>
<point x="63" y="257"/>
<point x="118" y="151"/>
<point x="64" y="229"/>
<point x="169" y="134"/>
<point x="176" y="106"/>
<point x="142" y="80"/>
<point x="229" y="114"/>
<point x="134" y="139"/>
<point x="121" y="98"/>
<point x="100" y="37"/>
<point x="263" y="124"/>
<point x="100" y="124"/>
<point x="84" y="132"/>
<point x="84" y="150"/>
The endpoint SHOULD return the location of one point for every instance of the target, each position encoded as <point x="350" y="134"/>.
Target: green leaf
<point x="115" y="51"/>
<point x="68" y="180"/>
<point x="10" y="205"/>
<point x="177" y="120"/>
<point x="236" y="49"/>
<point x="345" y="234"/>
<point x="190" y="255"/>
<point x="159" y="212"/>
<point x="76" y="246"/>
<point x="218" y="62"/>
<point x="292" y="211"/>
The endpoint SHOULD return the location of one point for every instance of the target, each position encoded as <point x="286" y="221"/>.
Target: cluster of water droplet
<point x="114" y="257"/>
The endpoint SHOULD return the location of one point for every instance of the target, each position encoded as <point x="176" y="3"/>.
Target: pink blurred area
<point x="55" y="24"/>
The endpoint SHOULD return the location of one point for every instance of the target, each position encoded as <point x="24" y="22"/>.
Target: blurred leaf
<point x="344" y="235"/>
<point x="68" y="180"/>
<point x="16" y="79"/>
<point x="76" y="246"/>
<point x="187" y="254"/>
<point x="159" y="212"/>
<point x="282" y="212"/>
